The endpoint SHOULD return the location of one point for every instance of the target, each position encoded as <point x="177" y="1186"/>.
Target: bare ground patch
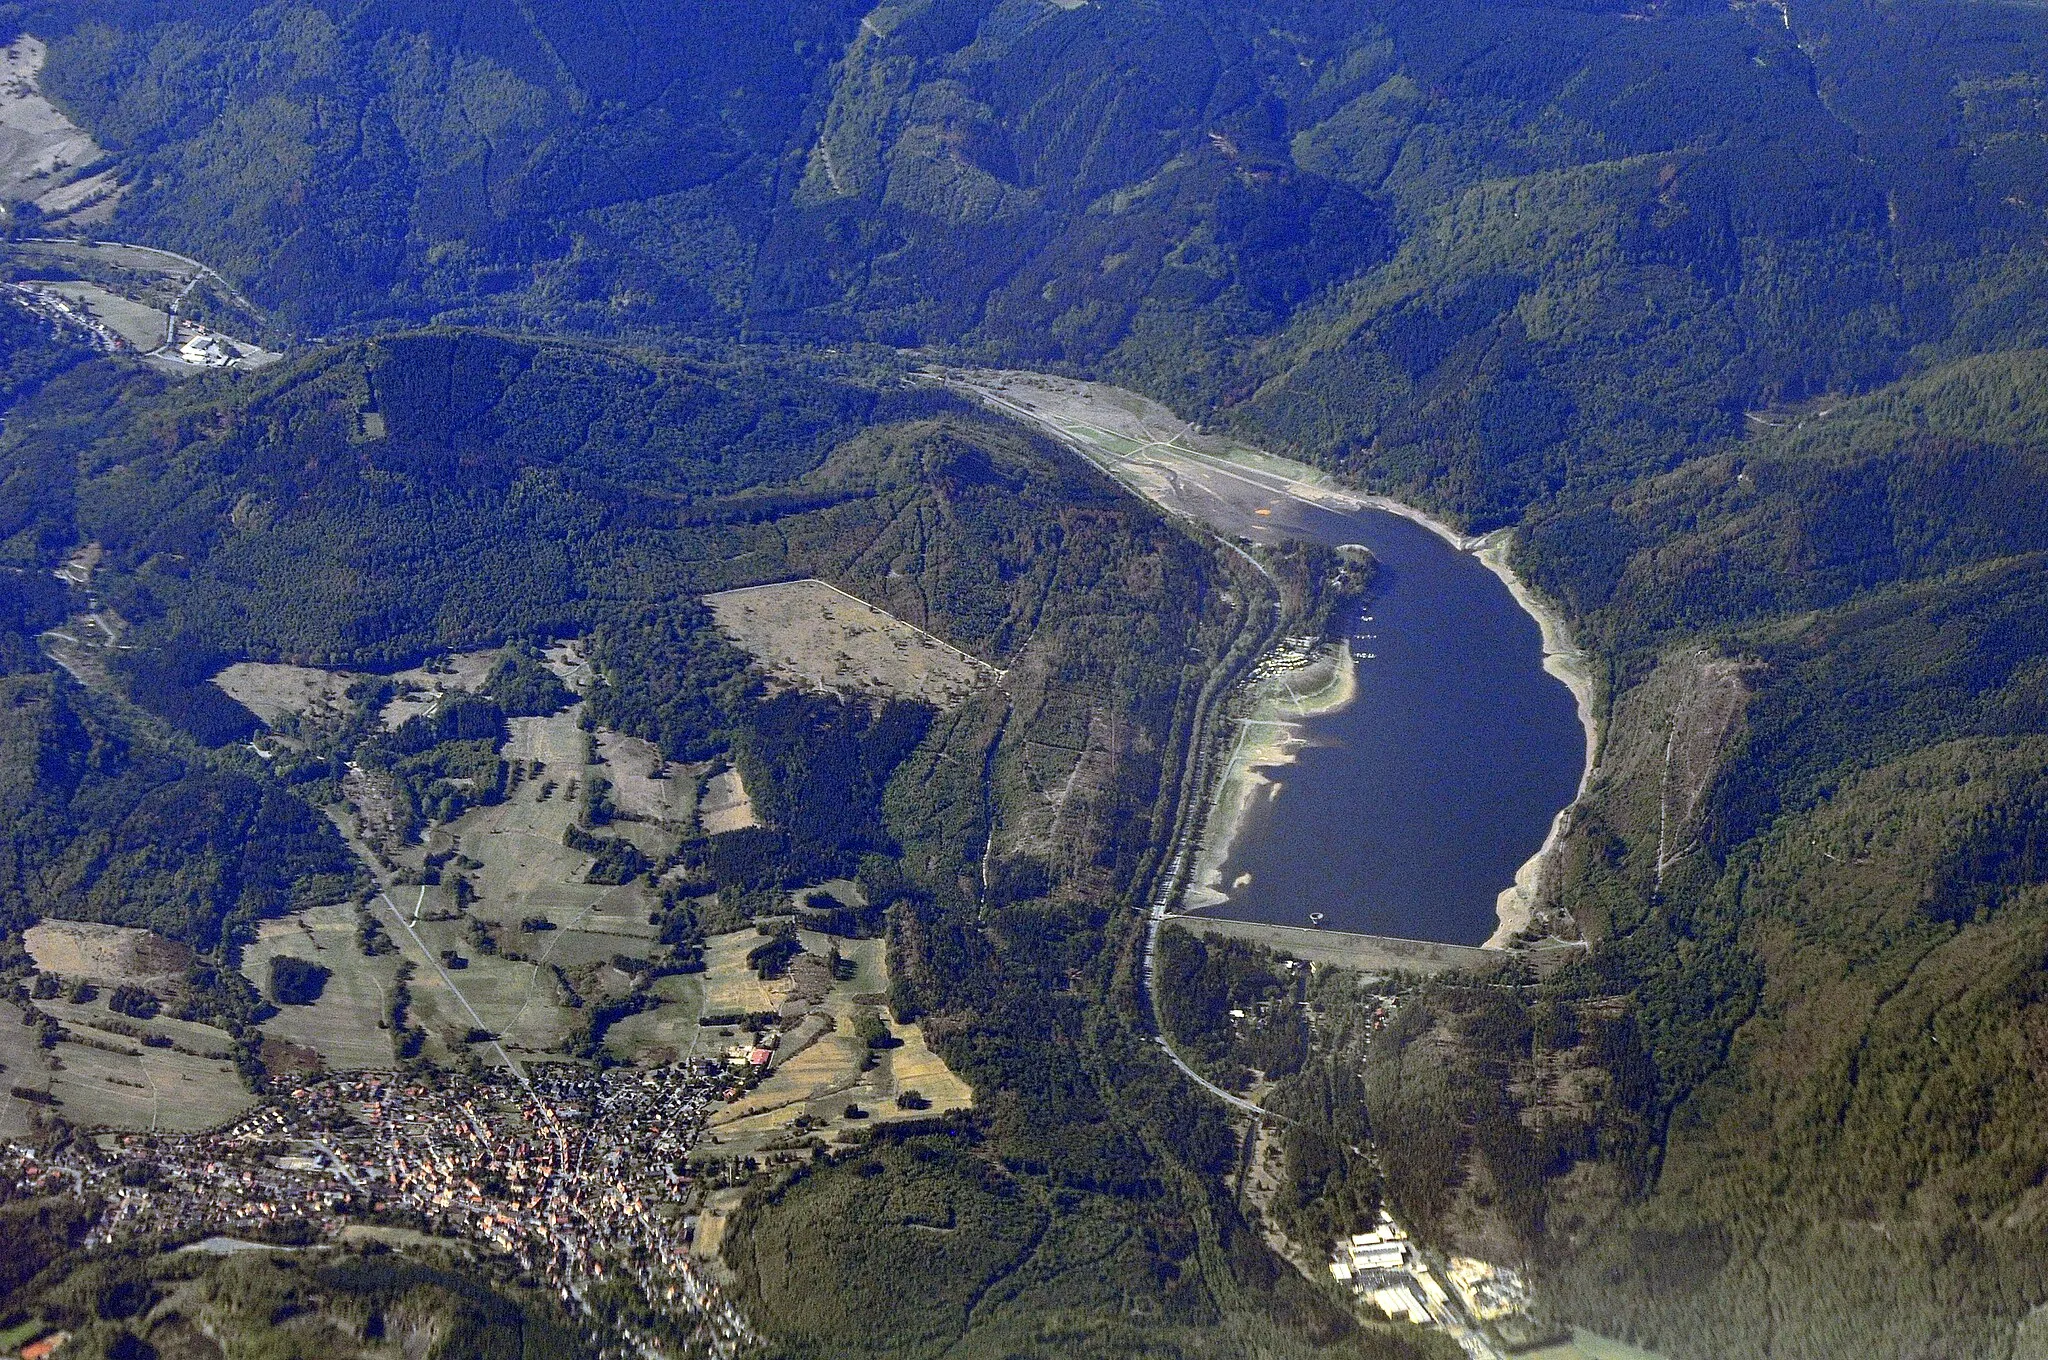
<point x="812" y="635"/>
<point x="273" y="691"/>
<point x="105" y="954"/>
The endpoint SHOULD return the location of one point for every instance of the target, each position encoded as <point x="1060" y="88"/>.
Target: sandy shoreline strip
<point x="1563" y="659"/>
<point x="1269" y="737"/>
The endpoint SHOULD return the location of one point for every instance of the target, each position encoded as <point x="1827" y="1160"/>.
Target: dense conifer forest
<point x="1734" y="313"/>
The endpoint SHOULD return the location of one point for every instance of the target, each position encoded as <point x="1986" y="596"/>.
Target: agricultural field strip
<point x="434" y="962"/>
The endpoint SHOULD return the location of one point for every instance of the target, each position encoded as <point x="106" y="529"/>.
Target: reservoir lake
<point x="1409" y="811"/>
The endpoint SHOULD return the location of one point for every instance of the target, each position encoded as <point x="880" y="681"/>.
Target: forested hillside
<point x="396" y="498"/>
<point x="1735" y="312"/>
<point x="1788" y="1106"/>
<point x="1481" y="255"/>
<point x="1474" y="252"/>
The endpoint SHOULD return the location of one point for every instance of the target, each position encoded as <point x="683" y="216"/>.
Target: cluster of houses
<point x="579" y="1175"/>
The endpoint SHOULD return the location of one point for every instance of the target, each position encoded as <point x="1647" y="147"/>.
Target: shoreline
<point x="1176" y="438"/>
<point x="1243" y="778"/>
<point x="1516" y="905"/>
<point x="1562" y="660"/>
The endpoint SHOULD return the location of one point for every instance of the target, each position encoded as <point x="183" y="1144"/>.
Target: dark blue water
<point x="1410" y="811"/>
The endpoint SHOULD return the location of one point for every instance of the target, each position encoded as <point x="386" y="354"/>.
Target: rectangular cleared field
<point x="726" y="805"/>
<point x="343" y="1025"/>
<point x="914" y="1067"/>
<point x="812" y="635"/>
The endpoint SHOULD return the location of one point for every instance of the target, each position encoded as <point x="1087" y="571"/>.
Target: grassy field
<point x="669" y="1033"/>
<point x="343" y="1026"/>
<point x="195" y="1038"/>
<point x="726" y="804"/>
<point x="102" y="1078"/>
<point x="134" y="1088"/>
<point x="513" y="857"/>
<point x="821" y="1068"/>
<point x="140" y="325"/>
<point x="730" y="987"/>
<point x="814" y="636"/>
<point x="527" y="872"/>
<point x="644" y="785"/>
<point x="422" y="687"/>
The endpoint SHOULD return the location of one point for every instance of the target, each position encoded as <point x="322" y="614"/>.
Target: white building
<point x="208" y="351"/>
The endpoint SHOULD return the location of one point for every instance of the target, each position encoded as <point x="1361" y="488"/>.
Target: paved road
<point x="1186" y="836"/>
<point x="198" y="266"/>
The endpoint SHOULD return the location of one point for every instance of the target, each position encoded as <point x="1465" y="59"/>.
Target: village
<point x="578" y="1175"/>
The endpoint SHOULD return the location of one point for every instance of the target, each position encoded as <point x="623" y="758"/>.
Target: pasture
<point x="670" y="1032"/>
<point x="139" y="324"/>
<point x="646" y="786"/>
<point x="115" y="1082"/>
<point x="345" y="1025"/>
<point x="421" y="689"/>
<point x="526" y="873"/>
<point x="823" y="1065"/>
<point x="273" y="691"/>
